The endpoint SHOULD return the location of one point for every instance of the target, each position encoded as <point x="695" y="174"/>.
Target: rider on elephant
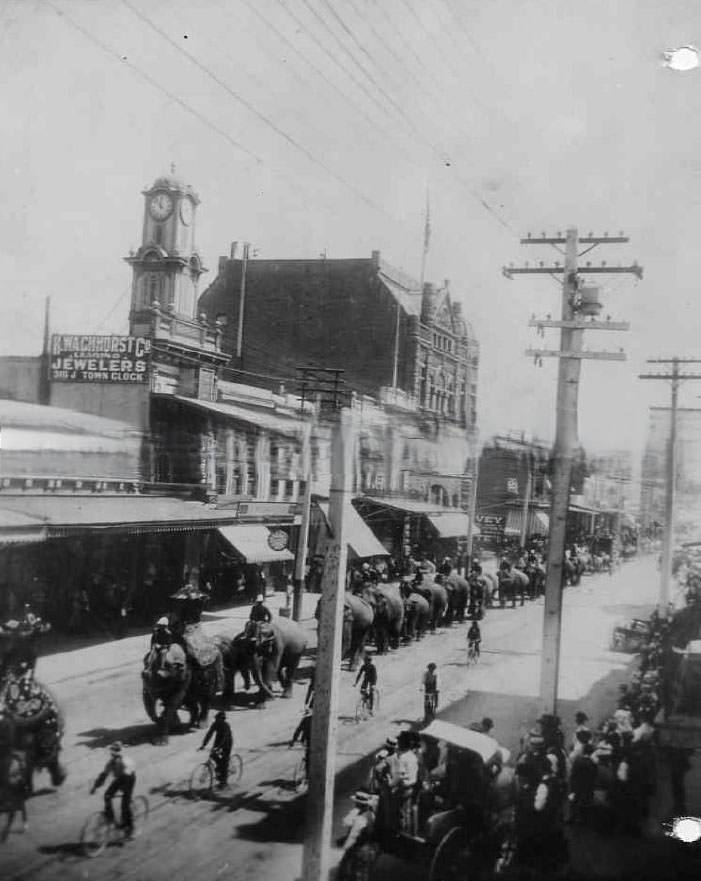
<point x="186" y="629"/>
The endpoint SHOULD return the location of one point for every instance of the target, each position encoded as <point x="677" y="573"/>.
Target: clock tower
<point x="166" y="268"/>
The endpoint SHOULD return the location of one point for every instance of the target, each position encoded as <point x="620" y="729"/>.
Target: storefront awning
<point x="265" y="419"/>
<point x="361" y="539"/>
<point x="541" y="522"/>
<point x="453" y="525"/>
<point x="514" y="520"/>
<point x="19" y="529"/>
<point x="66" y="515"/>
<point x="251" y="542"/>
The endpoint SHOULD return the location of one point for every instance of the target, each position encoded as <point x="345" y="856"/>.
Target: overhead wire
<point x="441" y="156"/>
<point x="253" y="109"/>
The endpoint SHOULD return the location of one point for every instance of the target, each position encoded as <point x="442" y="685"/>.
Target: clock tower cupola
<point x="167" y="267"/>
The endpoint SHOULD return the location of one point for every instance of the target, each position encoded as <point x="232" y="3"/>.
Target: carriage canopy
<point x="464" y="738"/>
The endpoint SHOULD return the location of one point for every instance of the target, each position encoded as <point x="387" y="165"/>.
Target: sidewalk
<point x="101" y="657"/>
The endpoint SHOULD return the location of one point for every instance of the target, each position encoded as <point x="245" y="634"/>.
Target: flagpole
<point x="427" y="239"/>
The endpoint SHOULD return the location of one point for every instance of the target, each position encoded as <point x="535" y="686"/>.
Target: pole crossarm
<point x="510" y="271"/>
<point x="673" y="360"/>
<point x="669" y="376"/>
<point x="583" y="240"/>
<point x="580" y="324"/>
<point x="591" y="356"/>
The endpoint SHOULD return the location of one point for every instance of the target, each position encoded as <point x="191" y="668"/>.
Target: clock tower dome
<point x="167" y="267"/>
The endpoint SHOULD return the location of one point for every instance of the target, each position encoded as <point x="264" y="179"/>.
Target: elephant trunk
<point x="259" y="680"/>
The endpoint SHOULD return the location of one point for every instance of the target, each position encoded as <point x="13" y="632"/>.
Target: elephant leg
<point x="57" y="772"/>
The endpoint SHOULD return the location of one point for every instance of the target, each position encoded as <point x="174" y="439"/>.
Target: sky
<point x="310" y="126"/>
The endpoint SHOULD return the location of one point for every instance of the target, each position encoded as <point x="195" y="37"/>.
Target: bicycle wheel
<point x="201" y="780"/>
<point x="235" y="768"/>
<point x="376" y="701"/>
<point x="300" y="774"/>
<point x="139" y="812"/>
<point x="361" y="710"/>
<point x="95" y="834"/>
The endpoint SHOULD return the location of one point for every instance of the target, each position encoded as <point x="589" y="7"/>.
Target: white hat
<point x="162" y="622"/>
<point x="259" y="598"/>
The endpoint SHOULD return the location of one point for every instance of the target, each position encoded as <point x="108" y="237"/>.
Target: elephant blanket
<point x="201" y="648"/>
<point x="30" y="707"/>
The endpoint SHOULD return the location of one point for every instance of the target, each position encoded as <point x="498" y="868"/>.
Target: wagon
<point x="630" y="637"/>
<point x="460" y="822"/>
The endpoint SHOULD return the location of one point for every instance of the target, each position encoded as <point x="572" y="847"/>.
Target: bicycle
<point x="99" y="831"/>
<point x="203" y="776"/>
<point x="363" y="709"/>
<point x="473" y="653"/>
<point x="430" y="705"/>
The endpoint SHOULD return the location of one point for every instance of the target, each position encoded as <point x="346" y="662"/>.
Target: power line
<point x="123" y="60"/>
<point x="253" y="109"/>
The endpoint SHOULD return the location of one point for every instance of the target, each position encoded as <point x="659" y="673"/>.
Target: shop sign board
<point x="95" y="358"/>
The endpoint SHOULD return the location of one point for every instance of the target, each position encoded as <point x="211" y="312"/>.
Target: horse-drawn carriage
<point x="460" y="820"/>
<point x="630" y="637"/>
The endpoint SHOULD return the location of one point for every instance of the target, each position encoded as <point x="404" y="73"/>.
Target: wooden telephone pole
<point x="316" y="859"/>
<point x="676" y="378"/>
<point x="579" y="307"/>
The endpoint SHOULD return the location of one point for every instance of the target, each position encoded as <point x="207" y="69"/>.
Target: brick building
<point x="359" y="314"/>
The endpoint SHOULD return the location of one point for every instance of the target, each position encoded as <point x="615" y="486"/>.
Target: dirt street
<point x="254" y="830"/>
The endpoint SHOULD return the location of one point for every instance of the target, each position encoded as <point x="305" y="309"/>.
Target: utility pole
<point x="472" y="512"/>
<point x="579" y="303"/>
<point x="316" y="859"/>
<point x="324" y="388"/>
<point x="526" y="503"/>
<point x="676" y="378"/>
<point x="242" y="299"/>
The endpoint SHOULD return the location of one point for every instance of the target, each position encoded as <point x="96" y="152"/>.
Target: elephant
<point x="458" y="595"/>
<point x="167" y="680"/>
<point x="234" y="658"/>
<point x="31" y="722"/>
<point x="273" y="650"/>
<point x="358" y="619"/>
<point x="492" y="588"/>
<point x="437" y="597"/>
<point x="416" y="615"/>
<point x="511" y="582"/>
<point x="388" y="606"/>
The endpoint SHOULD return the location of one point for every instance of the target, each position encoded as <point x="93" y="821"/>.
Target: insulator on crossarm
<point x="549" y="316"/>
<point x="540" y="362"/>
<point x="542" y="235"/>
<point x="528" y="235"/>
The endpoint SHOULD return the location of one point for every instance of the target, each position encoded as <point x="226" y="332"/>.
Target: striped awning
<point x="19" y="529"/>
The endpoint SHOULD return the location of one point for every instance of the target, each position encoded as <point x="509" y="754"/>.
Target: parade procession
<point x="333" y="547"/>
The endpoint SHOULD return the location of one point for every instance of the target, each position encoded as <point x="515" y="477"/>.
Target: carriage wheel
<point x="451" y="859"/>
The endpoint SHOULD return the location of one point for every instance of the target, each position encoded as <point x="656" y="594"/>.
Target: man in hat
<point x="385" y="767"/>
<point x="162" y="634"/>
<point x="220" y="730"/>
<point x="431" y="691"/>
<point x="259" y="611"/>
<point x="360" y="850"/>
<point x="123" y="771"/>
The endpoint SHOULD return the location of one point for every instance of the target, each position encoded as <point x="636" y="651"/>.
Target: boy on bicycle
<point x="430" y="685"/>
<point x="222" y="746"/>
<point x="474" y="638"/>
<point x="122" y="768"/>
<point x="368" y="672"/>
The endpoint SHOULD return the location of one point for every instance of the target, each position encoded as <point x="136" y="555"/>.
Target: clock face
<point x="186" y="212"/>
<point x="160" y="206"/>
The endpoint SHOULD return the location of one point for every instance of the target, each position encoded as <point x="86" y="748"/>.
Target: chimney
<point x="234" y="248"/>
<point x="375" y="259"/>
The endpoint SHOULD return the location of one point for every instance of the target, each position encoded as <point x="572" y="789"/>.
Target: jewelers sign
<point x="122" y="359"/>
